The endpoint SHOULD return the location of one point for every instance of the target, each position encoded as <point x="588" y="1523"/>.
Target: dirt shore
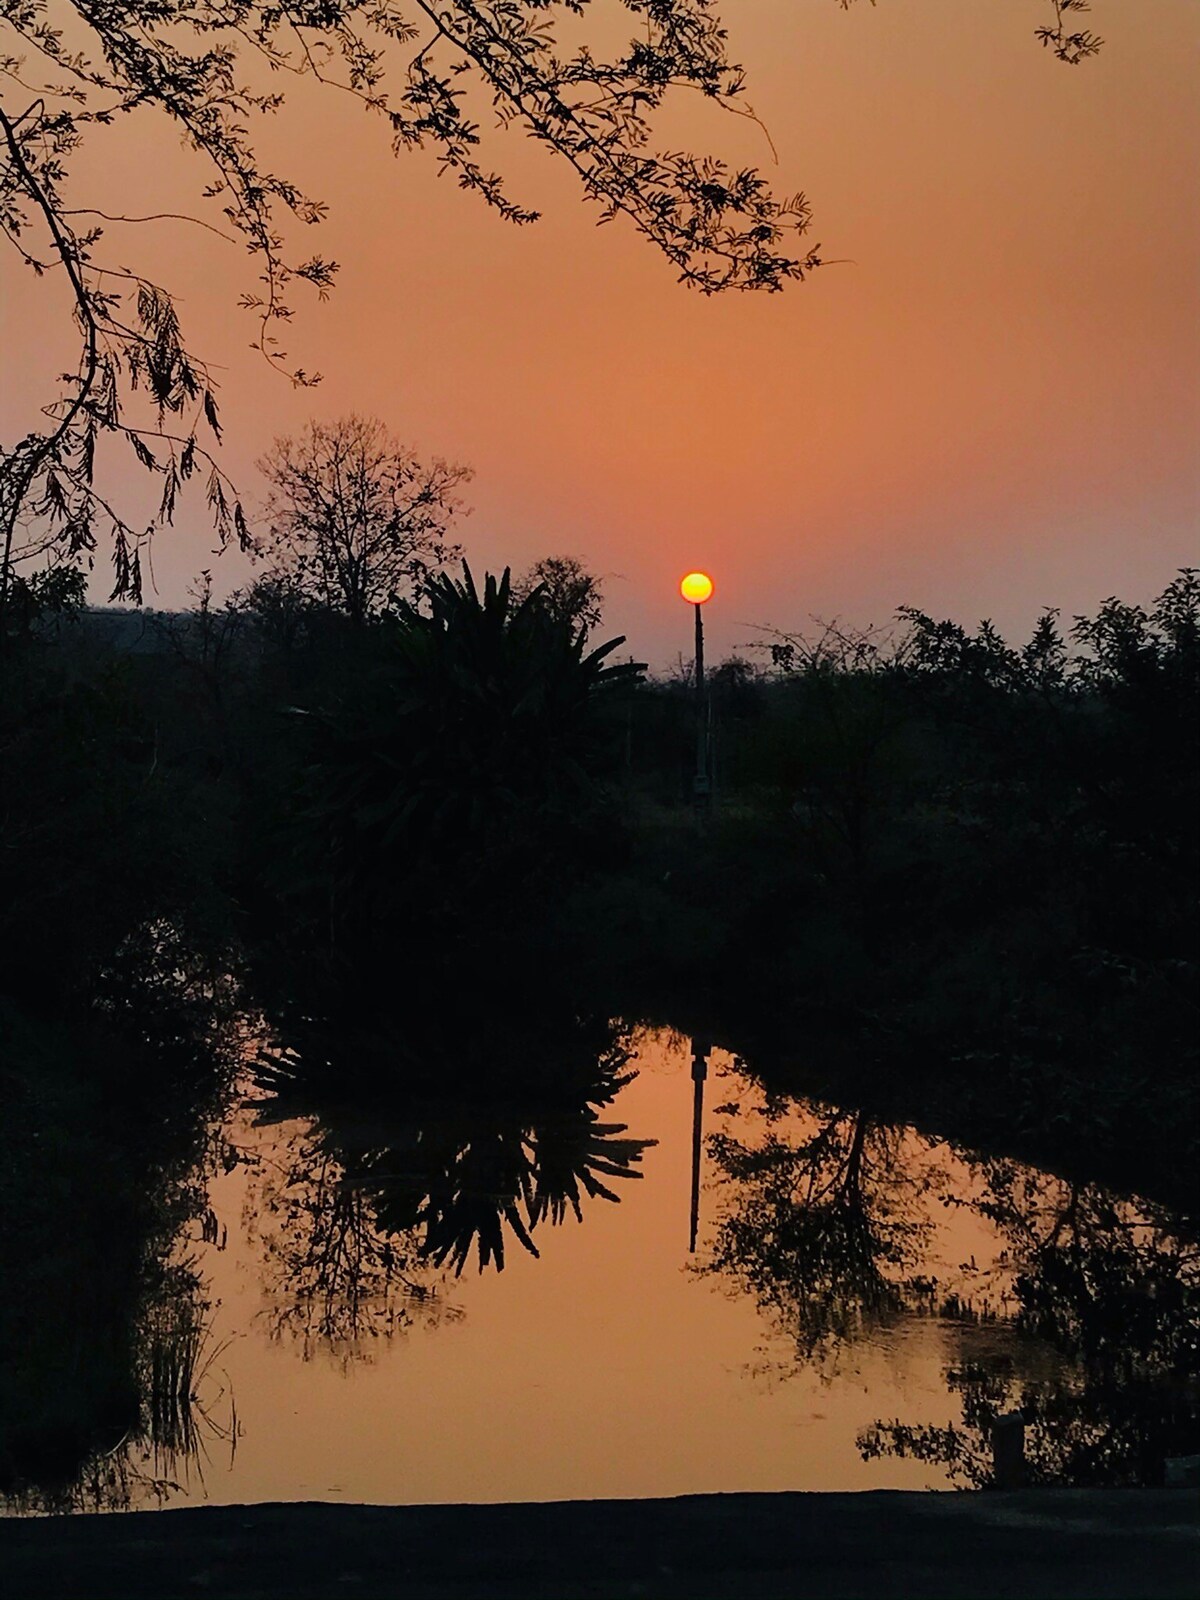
<point x="1047" y="1543"/>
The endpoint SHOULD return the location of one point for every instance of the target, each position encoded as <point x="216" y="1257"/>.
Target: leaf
<point x="210" y="414"/>
<point x="166" y="510"/>
<point x="143" y="452"/>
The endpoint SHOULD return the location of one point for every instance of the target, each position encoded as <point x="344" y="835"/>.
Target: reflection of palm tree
<point x="393" y="1181"/>
<point x="460" y="1177"/>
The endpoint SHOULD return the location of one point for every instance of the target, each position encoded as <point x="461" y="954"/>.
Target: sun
<point x="696" y="588"/>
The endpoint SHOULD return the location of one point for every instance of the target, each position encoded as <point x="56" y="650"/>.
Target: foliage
<point x="40" y="603"/>
<point x="1112" y="1287"/>
<point x="103" y="831"/>
<point x="476" y="750"/>
<point x="566" y="588"/>
<point x="1069" y="44"/>
<point x="823" y="1229"/>
<point x="973" y="870"/>
<point x="354" y="521"/>
<point x="429" y="1181"/>
<point x="277" y="608"/>
<point x="1083" y="1311"/>
<point x="103" y="1161"/>
<point x="201" y="63"/>
<point x="469" y="1116"/>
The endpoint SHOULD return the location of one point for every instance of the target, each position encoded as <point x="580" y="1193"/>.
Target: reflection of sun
<point x="696" y="587"/>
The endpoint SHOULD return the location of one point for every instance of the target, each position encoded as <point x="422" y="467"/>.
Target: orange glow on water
<point x="696" y="588"/>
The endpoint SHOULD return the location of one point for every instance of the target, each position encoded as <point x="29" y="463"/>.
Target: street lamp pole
<point x="697" y="589"/>
<point x="701" y="783"/>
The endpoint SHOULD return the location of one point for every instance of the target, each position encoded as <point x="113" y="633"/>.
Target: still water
<point x="862" y="1301"/>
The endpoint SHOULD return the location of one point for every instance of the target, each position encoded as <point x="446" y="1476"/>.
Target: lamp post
<point x="697" y="589"/>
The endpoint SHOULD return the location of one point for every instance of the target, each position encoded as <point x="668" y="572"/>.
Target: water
<point x="862" y="1302"/>
<point x="848" y="1320"/>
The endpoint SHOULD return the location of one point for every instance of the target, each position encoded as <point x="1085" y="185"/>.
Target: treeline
<point x="932" y="859"/>
<point x="948" y="862"/>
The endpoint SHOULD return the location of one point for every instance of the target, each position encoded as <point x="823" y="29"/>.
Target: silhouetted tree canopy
<point x="474" y="749"/>
<point x="354" y="521"/>
<point x="567" y="590"/>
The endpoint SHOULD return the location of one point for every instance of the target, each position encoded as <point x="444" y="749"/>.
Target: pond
<point x="485" y="1306"/>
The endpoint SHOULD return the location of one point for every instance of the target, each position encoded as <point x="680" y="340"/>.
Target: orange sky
<point x="993" y="409"/>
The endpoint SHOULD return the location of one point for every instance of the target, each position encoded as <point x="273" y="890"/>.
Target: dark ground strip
<point x="1090" y="1544"/>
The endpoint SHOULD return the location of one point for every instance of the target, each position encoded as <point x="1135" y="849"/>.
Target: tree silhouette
<point x="354" y="522"/>
<point x="105" y="1153"/>
<point x="567" y="590"/>
<point x="477" y="747"/>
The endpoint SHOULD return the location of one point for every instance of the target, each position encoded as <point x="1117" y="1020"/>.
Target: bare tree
<point x="354" y="520"/>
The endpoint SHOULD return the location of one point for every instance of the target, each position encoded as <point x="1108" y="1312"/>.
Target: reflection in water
<point x="381" y="1167"/>
<point x="335" y="1279"/>
<point x="700" y="1054"/>
<point x="110" y="1387"/>
<point x="126" y="1414"/>
<point x="386" y="1187"/>
<point x="1112" y="1288"/>
<point x="830" y="1222"/>
<point x="823" y="1228"/>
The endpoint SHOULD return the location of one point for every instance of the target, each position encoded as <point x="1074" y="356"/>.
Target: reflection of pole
<point x="700" y="784"/>
<point x="699" y="1073"/>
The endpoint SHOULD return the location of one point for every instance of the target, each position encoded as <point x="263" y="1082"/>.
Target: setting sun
<point x="697" y="587"/>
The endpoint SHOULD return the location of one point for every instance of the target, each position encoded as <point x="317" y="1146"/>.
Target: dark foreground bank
<point x="1067" y="1542"/>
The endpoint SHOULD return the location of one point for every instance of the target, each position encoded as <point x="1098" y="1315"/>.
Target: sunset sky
<point x="992" y="407"/>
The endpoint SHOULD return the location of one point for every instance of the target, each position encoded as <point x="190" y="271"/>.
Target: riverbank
<point x="1098" y="1544"/>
